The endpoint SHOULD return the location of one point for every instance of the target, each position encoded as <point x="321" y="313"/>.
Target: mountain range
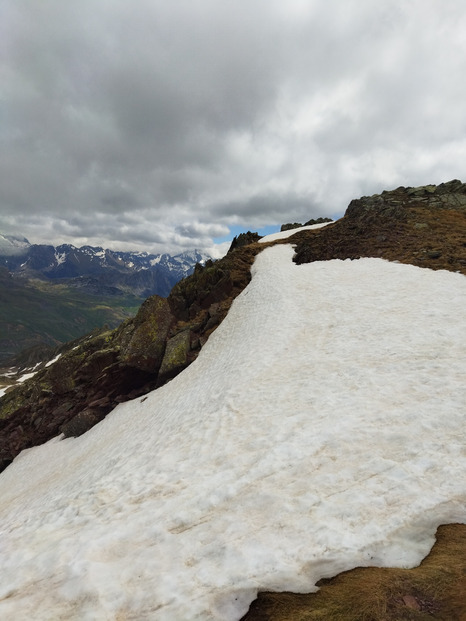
<point x="53" y="294"/>
<point x="95" y="269"/>
<point x="289" y="412"/>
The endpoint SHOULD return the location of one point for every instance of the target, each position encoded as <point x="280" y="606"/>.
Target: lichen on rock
<point x="146" y="346"/>
<point x="176" y="356"/>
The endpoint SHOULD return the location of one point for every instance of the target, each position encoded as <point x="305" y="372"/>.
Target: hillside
<point x="35" y="312"/>
<point x="377" y="341"/>
<point x="51" y="295"/>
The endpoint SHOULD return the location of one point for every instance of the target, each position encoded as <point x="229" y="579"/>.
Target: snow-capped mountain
<point x="95" y="268"/>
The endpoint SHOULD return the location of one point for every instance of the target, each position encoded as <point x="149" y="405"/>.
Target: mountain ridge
<point x="67" y="261"/>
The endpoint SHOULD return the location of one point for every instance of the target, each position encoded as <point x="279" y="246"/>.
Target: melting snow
<point x="50" y="362"/>
<point x="60" y="257"/>
<point x="25" y="377"/>
<point x="320" y="428"/>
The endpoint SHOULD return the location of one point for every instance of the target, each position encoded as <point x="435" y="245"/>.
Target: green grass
<point x="40" y="312"/>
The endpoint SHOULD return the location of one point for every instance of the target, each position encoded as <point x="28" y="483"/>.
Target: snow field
<point x="320" y="428"/>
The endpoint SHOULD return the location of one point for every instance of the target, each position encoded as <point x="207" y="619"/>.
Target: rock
<point x="82" y="422"/>
<point x="243" y="239"/>
<point x="97" y="362"/>
<point x="176" y="356"/>
<point x="146" y="345"/>
<point x="290" y="226"/>
<point x="317" y="221"/>
<point x="99" y="403"/>
<point x="60" y="376"/>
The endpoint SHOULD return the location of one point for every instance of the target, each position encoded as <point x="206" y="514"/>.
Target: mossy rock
<point x="176" y="356"/>
<point x="82" y="422"/>
<point x="146" y="346"/>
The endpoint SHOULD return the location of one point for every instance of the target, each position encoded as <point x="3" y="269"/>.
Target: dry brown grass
<point x="436" y="590"/>
<point x="435" y="239"/>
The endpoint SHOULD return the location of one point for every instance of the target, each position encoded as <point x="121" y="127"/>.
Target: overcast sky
<point x="163" y="125"/>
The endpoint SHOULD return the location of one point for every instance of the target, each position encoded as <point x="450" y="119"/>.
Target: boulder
<point x="146" y="345"/>
<point x="82" y="422"/>
<point x="176" y="356"/>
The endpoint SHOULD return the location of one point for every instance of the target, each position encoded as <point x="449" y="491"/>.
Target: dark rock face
<point x="146" y="345"/>
<point x="176" y="357"/>
<point x="243" y="239"/>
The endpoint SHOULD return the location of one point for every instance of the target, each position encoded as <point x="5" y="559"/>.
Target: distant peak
<point x="10" y="245"/>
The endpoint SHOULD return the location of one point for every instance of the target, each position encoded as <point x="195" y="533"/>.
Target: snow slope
<point x="321" y="427"/>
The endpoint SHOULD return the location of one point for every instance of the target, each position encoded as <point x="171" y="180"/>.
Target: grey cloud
<point x="198" y="229"/>
<point x="281" y="208"/>
<point x="151" y="122"/>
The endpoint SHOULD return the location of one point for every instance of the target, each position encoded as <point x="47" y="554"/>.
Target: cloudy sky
<point x="164" y="125"/>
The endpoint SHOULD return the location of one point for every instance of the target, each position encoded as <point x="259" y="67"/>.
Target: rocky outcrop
<point x="176" y="357"/>
<point x="296" y="225"/>
<point x="243" y="239"/>
<point x="289" y="226"/>
<point x="143" y="344"/>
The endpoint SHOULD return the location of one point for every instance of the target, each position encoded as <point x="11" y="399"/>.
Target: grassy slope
<point x="36" y="312"/>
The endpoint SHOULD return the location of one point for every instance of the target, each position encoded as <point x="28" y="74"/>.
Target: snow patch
<point x="50" y="362"/>
<point x="60" y="257"/>
<point x="25" y="377"/>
